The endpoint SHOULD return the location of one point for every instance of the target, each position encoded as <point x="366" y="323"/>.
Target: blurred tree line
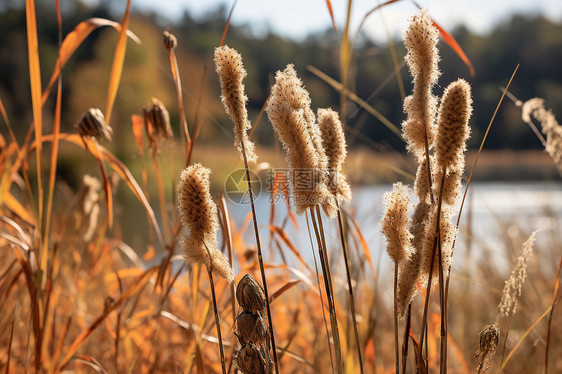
<point x="532" y="41"/>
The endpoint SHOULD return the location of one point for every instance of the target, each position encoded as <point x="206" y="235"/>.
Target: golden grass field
<point x="76" y="296"/>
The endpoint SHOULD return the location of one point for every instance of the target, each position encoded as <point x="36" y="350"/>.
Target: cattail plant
<point x="394" y="226"/>
<point x="292" y="118"/>
<point x="231" y="73"/>
<point x="199" y="215"/>
<point x="437" y="138"/>
<point x="333" y="142"/>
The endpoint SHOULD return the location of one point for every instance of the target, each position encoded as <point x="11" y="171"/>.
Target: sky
<point x="298" y="18"/>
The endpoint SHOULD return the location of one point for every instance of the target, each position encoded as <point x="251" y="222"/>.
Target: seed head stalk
<point x="319" y="232"/>
<point x="351" y="297"/>
<point x="260" y="259"/>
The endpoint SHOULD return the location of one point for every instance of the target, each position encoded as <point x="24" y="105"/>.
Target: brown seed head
<point x="489" y="340"/>
<point x="252" y="359"/>
<point x="250" y="295"/>
<point x="170" y="41"/>
<point x="93" y="124"/>
<point x="156" y="122"/>
<point x="452" y="127"/>
<point x="251" y="328"/>
<point x="199" y="215"/>
<point x="231" y="73"/>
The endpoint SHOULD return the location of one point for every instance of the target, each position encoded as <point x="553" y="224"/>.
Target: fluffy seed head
<point x="250" y="295"/>
<point x="395" y="223"/>
<point x="251" y="328"/>
<point x="333" y="140"/>
<point x="289" y="112"/>
<point x="231" y="73"/>
<point x="514" y="285"/>
<point x="452" y="128"/>
<point x="408" y="275"/>
<point x="93" y="124"/>
<point x="447" y="235"/>
<point x="199" y="215"/>
<point x="422" y="184"/>
<point x="422" y="57"/>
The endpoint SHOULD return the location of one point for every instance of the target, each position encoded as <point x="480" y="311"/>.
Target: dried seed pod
<point x="253" y="360"/>
<point x="170" y="41"/>
<point x="251" y="328"/>
<point x="250" y="294"/>
<point x="157" y="121"/>
<point x="93" y="124"/>
<point x="489" y="340"/>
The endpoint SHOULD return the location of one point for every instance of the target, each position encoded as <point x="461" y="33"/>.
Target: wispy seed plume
<point x="422" y="57"/>
<point x="231" y="72"/>
<point x="199" y="215"/>
<point x="395" y="223"/>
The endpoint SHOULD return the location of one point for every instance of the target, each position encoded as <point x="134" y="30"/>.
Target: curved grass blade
<point x="35" y="85"/>
<point x="448" y="38"/>
<point x="339" y="87"/>
<point x="117" y="67"/>
<point x="227" y="26"/>
<point x="285" y="238"/>
<point x="287" y="286"/>
<point x="120" y="168"/>
<point x="137" y="285"/>
<point x="73" y="40"/>
<point x="329" y="5"/>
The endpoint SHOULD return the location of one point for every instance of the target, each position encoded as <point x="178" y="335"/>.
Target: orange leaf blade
<point x="329" y="5"/>
<point x="448" y="38"/>
<point x="117" y="68"/>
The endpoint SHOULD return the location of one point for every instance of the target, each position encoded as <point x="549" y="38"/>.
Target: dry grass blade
<point x="16" y="207"/>
<point x="226" y="27"/>
<point x="117" y="67"/>
<point x="554" y="301"/>
<point x="91" y="362"/>
<point x="121" y="169"/>
<point x="35" y="83"/>
<point x="136" y="286"/>
<point x="55" y="144"/>
<point x="283" y="289"/>
<point x="329" y="5"/>
<point x="10" y="346"/>
<point x="73" y="40"/>
<point x="363" y="241"/>
<point x="448" y="38"/>
<point x="504" y="363"/>
<point x="362" y="103"/>
<point x="285" y="238"/>
<point x="8" y="125"/>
